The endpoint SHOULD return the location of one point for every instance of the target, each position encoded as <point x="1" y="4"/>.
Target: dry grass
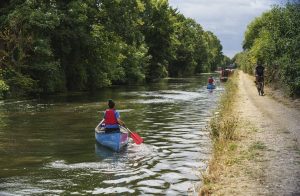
<point x="256" y="156"/>
<point x="223" y="133"/>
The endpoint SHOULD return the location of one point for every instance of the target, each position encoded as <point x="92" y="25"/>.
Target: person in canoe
<point x="112" y="119"/>
<point x="211" y="80"/>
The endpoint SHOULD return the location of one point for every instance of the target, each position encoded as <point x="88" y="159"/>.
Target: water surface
<point x="47" y="146"/>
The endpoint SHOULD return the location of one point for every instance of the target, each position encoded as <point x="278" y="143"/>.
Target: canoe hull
<point x="211" y="86"/>
<point x="114" y="141"/>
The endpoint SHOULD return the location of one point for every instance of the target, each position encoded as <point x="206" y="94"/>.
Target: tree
<point x="69" y="45"/>
<point x="158" y="29"/>
<point x="273" y="38"/>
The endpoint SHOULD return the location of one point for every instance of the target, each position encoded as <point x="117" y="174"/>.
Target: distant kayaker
<point x="112" y="118"/>
<point x="211" y="80"/>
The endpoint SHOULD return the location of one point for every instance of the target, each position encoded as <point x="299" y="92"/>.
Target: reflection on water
<point x="47" y="146"/>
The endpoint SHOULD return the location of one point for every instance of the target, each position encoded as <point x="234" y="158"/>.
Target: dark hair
<point x="111" y="103"/>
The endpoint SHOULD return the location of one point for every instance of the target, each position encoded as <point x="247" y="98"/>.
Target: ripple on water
<point x="103" y="166"/>
<point x="150" y="190"/>
<point x="118" y="163"/>
<point x="111" y="190"/>
<point x="168" y="96"/>
<point x="152" y="183"/>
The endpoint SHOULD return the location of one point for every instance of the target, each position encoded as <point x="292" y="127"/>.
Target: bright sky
<point x="227" y="19"/>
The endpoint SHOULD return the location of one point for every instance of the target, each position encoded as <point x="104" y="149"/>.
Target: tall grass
<point x="223" y="133"/>
<point x="223" y="124"/>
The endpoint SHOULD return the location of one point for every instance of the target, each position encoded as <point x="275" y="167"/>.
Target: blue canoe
<point x="114" y="141"/>
<point x="211" y="86"/>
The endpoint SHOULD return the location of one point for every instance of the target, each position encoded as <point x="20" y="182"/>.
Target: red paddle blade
<point x="136" y="138"/>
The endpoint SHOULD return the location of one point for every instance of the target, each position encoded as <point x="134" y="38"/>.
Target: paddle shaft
<point x="128" y="130"/>
<point x="100" y="123"/>
<point x="136" y="138"/>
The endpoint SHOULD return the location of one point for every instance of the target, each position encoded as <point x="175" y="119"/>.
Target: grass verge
<point x="223" y="134"/>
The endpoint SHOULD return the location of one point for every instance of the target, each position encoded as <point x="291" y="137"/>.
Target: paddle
<point x="99" y="125"/>
<point x="135" y="137"/>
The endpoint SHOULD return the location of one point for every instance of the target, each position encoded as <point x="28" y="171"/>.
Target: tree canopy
<point x="50" y="46"/>
<point x="273" y="39"/>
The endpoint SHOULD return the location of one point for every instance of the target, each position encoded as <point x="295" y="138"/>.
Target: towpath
<point x="267" y="156"/>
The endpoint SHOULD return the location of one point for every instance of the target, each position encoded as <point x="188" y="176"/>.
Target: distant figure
<point x="211" y="80"/>
<point x="259" y="73"/>
<point x="259" y="78"/>
<point x="112" y="118"/>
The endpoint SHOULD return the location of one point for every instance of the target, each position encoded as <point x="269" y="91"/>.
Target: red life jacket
<point x="210" y="80"/>
<point x="110" y="118"/>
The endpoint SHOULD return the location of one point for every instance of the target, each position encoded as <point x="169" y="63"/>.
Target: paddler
<point x="112" y="119"/>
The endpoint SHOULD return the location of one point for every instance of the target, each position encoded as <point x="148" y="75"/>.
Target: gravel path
<point x="267" y="160"/>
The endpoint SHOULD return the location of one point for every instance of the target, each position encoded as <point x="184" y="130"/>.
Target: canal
<point x="47" y="145"/>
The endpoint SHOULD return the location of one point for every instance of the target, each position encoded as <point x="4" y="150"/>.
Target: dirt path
<point x="267" y="158"/>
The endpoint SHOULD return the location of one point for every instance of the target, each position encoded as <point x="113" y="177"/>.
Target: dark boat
<point x="223" y="79"/>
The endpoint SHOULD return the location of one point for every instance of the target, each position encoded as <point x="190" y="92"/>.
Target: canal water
<point x="47" y="146"/>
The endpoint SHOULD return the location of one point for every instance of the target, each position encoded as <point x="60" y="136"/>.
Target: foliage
<point x="3" y="86"/>
<point x="274" y="40"/>
<point x="226" y="61"/>
<point x="214" y="48"/>
<point x="158" y="30"/>
<point x="56" y="46"/>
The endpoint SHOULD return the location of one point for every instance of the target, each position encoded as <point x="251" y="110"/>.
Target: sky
<point x="227" y="19"/>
